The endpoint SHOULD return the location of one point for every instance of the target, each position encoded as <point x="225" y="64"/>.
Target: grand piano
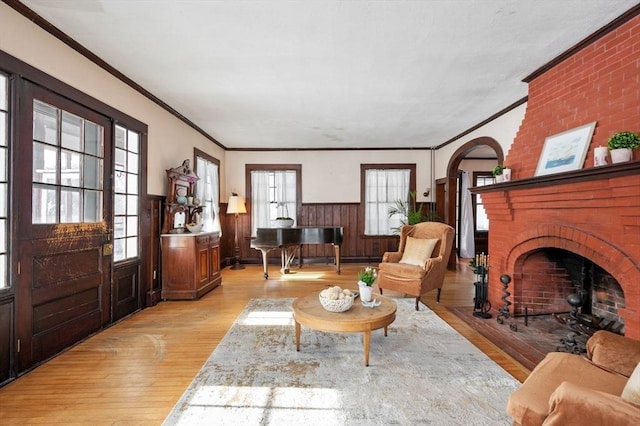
<point x="290" y="240"/>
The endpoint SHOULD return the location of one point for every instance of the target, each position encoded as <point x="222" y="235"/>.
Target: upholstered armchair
<point x="420" y="263"/>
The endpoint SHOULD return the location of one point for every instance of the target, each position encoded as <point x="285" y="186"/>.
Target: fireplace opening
<point x="574" y="290"/>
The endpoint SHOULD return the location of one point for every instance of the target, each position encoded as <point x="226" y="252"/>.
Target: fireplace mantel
<point x="576" y="176"/>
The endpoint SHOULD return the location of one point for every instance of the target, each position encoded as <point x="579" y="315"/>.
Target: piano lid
<point x="275" y="237"/>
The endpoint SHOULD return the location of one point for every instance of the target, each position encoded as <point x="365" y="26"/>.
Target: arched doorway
<point x="450" y="183"/>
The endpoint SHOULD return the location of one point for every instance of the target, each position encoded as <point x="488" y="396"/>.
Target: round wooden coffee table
<point x="309" y="312"/>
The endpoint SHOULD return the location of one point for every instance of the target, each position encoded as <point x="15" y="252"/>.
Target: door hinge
<point x="18" y="346"/>
<point x="18" y="268"/>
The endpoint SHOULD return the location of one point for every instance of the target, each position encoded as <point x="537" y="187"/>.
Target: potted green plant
<point x="366" y="279"/>
<point x="410" y="212"/>
<point x="622" y="144"/>
<point x="498" y="172"/>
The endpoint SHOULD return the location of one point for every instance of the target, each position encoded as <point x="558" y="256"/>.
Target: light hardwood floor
<point x="135" y="371"/>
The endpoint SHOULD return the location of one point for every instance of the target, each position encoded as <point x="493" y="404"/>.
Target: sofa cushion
<point x="529" y="405"/>
<point x="631" y="391"/>
<point x="604" y="349"/>
<point x="418" y="250"/>
<point x="576" y="405"/>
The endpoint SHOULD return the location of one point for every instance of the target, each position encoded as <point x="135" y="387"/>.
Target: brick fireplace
<point x="593" y="213"/>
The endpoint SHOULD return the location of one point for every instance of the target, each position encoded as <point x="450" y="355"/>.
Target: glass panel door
<point x="4" y="182"/>
<point x="126" y="186"/>
<point x="67" y="170"/>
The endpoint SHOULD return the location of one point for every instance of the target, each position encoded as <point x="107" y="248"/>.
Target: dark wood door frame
<point x="451" y="188"/>
<point x="64" y="285"/>
<point x="21" y="75"/>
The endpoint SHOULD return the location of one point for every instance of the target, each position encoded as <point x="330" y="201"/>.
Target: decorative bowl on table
<point x="335" y="299"/>
<point x="194" y="228"/>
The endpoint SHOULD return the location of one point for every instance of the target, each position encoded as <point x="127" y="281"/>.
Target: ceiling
<point x="333" y="74"/>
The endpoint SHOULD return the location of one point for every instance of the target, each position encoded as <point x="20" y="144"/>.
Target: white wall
<point x="334" y="176"/>
<point x="471" y="166"/>
<point x="327" y="176"/>
<point x="170" y="141"/>
<point x="503" y="129"/>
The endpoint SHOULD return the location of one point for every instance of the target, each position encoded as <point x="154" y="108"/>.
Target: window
<point x="482" y="221"/>
<point x="126" y="192"/>
<point x="382" y="186"/>
<point x="4" y="181"/>
<point x="275" y="192"/>
<point x="67" y="167"/>
<point x="208" y="189"/>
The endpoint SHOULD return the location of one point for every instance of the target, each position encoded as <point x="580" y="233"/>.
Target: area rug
<point x="422" y="372"/>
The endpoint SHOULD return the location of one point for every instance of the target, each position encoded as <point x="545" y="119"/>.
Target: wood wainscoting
<point x="356" y="247"/>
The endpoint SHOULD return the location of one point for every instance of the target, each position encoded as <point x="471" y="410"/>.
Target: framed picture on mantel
<point x="565" y="151"/>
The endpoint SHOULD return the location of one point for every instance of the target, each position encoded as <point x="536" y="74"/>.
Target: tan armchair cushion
<point x="410" y="272"/>
<point x="418" y="250"/>
<point x="631" y="391"/>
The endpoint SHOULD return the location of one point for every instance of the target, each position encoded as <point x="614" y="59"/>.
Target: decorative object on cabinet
<point x="194" y="228"/>
<point x="236" y="206"/>
<point x="190" y="265"/>
<point x="178" y="210"/>
<point x="565" y="151"/>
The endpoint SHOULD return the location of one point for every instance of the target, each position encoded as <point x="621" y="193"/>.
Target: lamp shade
<point x="236" y="205"/>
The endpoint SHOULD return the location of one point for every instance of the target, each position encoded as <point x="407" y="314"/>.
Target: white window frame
<point x="480" y="215"/>
<point x="383" y="185"/>
<point x="127" y="165"/>
<point x="208" y="191"/>
<point x="274" y="193"/>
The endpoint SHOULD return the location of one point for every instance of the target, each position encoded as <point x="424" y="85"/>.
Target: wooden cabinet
<point x="190" y="265"/>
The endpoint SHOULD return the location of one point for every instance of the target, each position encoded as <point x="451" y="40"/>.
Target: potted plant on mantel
<point x="498" y="173"/>
<point x="621" y="146"/>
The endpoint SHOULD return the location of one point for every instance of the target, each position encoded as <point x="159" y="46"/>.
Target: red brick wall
<point x="597" y="219"/>
<point x="599" y="83"/>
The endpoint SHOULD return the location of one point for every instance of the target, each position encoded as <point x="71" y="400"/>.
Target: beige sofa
<point x="569" y="389"/>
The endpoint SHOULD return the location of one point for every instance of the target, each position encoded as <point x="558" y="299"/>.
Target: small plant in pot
<point x="366" y="279"/>
<point x="498" y="172"/>
<point x="621" y="146"/>
<point x="283" y="221"/>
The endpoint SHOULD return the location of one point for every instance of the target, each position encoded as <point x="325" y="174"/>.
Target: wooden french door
<point x="62" y="200"/>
